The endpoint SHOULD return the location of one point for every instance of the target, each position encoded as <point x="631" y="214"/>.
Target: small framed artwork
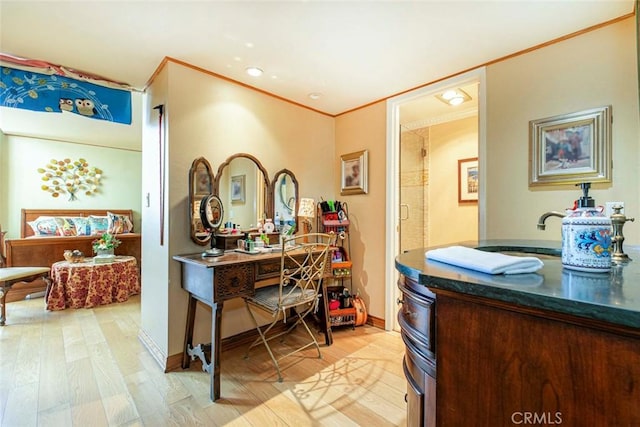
<point x="468" y="180"/>
<point x="237" y="189"/>
<point x="354" y="173"/>
<point x="571" y="148"/>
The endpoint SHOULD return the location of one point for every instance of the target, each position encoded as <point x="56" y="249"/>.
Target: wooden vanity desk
<point x="213" y="280"/>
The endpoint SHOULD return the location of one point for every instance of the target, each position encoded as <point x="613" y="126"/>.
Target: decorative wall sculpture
<point x="70" y="177"/>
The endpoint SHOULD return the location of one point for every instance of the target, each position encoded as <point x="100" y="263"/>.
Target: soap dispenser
<point x="586" y="236"/>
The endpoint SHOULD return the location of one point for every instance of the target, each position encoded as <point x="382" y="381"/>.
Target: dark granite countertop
<point x="613" y="297"/>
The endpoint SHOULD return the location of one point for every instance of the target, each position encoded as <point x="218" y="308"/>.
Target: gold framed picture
<point x="571" y="148"/>
<point x="468" y="180"/>
<point x="354" y="173"/>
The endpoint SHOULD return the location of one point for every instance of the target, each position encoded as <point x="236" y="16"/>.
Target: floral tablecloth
<point x="86" y="284"/>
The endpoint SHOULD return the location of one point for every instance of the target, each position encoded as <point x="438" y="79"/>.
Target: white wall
<point x="223" y="119"/>
<point x="4" y="177"/>
<point x="450" y="221"/>
<point x="154" y="302"/>
<point x="595" y="69"/>
<point x="365" y="129"/>
<point x="20" y="158"/>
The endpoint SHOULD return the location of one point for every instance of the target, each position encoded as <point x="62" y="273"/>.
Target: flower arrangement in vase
<point x="105" y="244"/>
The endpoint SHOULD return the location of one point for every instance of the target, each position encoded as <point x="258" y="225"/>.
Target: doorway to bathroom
<point x="438" y="143"/>
<point x="433" y="150"/>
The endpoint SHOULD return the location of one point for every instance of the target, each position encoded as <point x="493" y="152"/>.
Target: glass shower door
<point x="413" y="188"/>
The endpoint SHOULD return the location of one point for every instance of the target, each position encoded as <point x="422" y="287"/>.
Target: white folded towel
<point x="486" y="262"/>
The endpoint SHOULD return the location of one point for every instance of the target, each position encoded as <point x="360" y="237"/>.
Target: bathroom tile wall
<point x="414" y="188"/>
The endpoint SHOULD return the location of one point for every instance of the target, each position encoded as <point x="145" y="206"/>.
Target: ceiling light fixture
<point x="315" y="95"/>
<point x="456" y="100"/>
<point x="450" y="94"/>
<point x="454" y="97"/>
<point x="254" y="71"/>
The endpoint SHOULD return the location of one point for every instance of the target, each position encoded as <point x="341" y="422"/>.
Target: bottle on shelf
<point x="268" y="226"/>
<point x="276" y="222"/>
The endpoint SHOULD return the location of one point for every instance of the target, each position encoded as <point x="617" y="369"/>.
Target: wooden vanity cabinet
<point x="416" y="318"/>
<point x="228" y="242"/>
<point x="502" y="364"/>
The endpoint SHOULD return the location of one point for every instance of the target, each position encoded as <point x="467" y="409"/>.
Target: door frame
<point x="392" y="222"/>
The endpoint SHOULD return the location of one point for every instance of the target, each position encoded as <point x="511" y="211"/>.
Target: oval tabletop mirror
<point x="211" y="214"/>
<point x="200" y="186"/>
<point x="242" y="185"/>
<point x="284" y="190"/>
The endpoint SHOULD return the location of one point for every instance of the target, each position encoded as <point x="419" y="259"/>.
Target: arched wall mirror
<point x="201" y="182"/>
<point x="284" y="191"/>
<point x="243" y="186"/>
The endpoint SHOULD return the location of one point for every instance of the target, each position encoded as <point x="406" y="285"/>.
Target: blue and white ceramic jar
<point x="586" y="240"/>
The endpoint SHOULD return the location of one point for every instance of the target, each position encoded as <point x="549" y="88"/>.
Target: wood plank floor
<point x="87" y="367"/>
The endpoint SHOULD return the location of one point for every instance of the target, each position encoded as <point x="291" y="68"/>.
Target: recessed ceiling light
<point x="449" y="94"/>
<point x="315" y="95"/>
<point x="456" y="100"/>
<point x="254" y="71"/>
<point x="454" y="97"/>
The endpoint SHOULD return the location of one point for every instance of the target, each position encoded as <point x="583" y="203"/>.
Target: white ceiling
<point x="352" y="52"/>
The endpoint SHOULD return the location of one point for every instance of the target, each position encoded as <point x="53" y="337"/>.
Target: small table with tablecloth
<point x="87" y="284"/>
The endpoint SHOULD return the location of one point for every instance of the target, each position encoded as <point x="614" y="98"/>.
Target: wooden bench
<point x="12" y="275"/>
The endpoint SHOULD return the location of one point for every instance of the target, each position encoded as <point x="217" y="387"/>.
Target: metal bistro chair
<point x="302" y="267"/>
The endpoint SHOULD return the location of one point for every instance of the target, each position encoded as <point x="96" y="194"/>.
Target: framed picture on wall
<point x="468" y="180"/>
<point x="354" y="173"/>
<point x="237" y="189"/>
<point x="571" y="148"/>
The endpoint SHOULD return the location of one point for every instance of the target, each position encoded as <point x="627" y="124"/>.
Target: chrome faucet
<point x="544" y="216"/>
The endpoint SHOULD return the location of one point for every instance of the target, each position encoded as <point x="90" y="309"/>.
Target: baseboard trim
<point x="174" y="362"/>
<point x="153" y="350"/>
<point x="375" y="321"/>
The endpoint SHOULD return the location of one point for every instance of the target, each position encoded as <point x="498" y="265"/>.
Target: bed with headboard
<point x="48" y="247"/>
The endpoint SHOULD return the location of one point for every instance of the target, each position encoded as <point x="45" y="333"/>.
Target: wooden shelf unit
<point x="340" y="271"/>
